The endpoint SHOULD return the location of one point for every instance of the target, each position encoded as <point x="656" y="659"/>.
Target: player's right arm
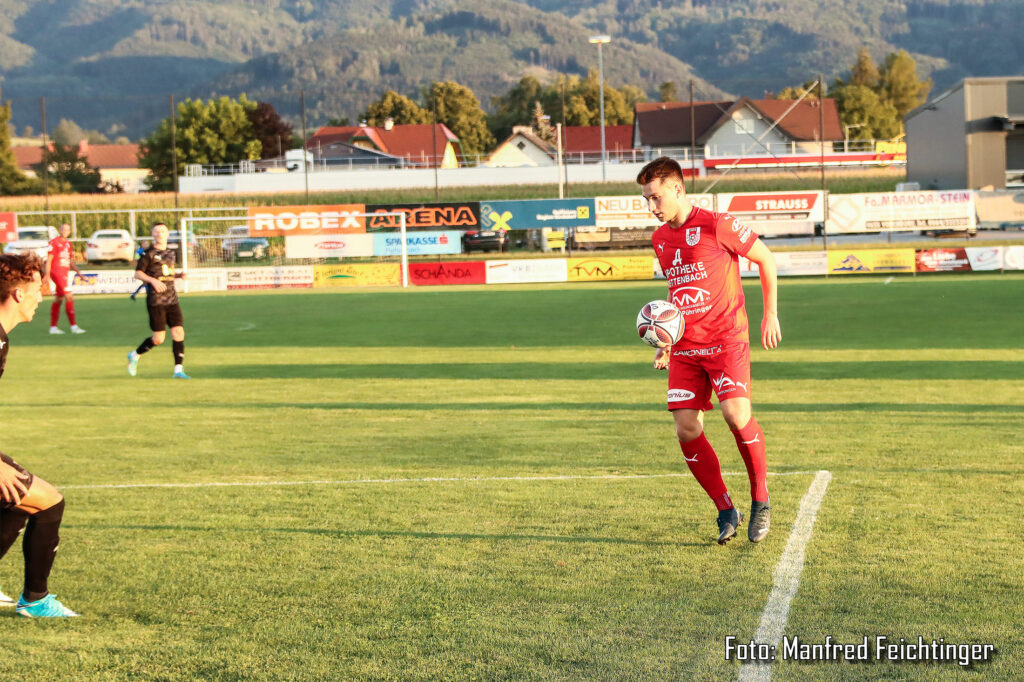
<point x="12" y="486"/>
<point x="140" y="274"/>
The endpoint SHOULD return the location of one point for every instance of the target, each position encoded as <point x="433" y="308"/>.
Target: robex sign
<point x="279" y="221"/>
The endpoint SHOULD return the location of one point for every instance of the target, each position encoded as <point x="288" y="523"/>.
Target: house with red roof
<point x="414" y="144"/>
<point x="744" y="127"/>
<point x="117" y="163"/>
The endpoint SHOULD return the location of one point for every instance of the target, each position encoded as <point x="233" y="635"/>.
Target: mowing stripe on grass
<point x="786" y="580"/>
<point x="433" y="479"/>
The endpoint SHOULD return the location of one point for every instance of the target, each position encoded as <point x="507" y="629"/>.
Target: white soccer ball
<point x="660" y="324"/>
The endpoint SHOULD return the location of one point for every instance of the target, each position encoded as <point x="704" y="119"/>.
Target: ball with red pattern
<point x="659" y="324"/>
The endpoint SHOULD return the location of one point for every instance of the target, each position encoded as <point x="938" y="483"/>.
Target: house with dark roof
<point x="117" y="163"/>
<point x="744" y="127"/>
<point x="423" y="145"/>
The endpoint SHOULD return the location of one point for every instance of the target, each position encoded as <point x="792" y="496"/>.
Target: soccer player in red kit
<point x="59" y="260"/>
<point x="699" y="253"/>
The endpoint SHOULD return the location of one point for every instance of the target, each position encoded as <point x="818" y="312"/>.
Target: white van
<point x="34" y="238"/>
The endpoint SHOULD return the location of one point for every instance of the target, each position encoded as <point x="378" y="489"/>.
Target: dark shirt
<point x="159" y="264"/>
<point x="3" y="349"/>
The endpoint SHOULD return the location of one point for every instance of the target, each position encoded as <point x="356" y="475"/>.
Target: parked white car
<point x="34" y="238"/>
<point x="110" y="245"/>
<point x="236" y="235"/>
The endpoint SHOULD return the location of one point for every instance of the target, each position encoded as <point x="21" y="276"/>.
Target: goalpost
<point x="236" y="241"/>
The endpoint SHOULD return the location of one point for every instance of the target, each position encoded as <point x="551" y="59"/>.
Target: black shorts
<point x="163" y="316"/>
<point x="28" y="482"/>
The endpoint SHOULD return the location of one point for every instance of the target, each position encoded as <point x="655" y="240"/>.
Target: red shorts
<point x="60" y="283"/>
<point x="693" y="373"/>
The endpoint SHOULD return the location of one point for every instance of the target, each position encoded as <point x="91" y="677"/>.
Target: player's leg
<point x="158" y="325"/>
<point x="58" y="299"/>
<point x="12" y="523"/>
<point x="688" y="399"/>
<point x="69" y="307"/>
<point x="176" y="321"/>
<point x="731" y="376"/>
<point x="45" y="507"/>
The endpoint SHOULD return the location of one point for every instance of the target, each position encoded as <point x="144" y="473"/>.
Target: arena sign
<point x="773" y="213"/>
<point x="280" y="221"/>
<point x="928" y="210"/>
<point x="464" y="216"/>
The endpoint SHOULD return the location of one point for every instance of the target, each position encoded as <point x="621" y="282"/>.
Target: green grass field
<point x="483" y="483"/>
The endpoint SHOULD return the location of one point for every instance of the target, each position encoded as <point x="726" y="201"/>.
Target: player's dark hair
<point x="15" y="270"/>
<point x="159" y="222"/>
<point x="662" y="167"/>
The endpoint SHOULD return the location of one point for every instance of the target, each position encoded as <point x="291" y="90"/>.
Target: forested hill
<point x="106" y="62"/>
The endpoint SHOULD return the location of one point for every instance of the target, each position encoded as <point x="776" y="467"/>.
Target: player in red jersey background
<point x="59" y="260"/>
<point x="699" y="253"/>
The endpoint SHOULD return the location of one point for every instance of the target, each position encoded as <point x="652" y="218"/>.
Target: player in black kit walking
<point x="156" y="269"/>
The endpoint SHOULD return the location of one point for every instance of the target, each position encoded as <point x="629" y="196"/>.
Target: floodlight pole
<point x="599" y="41"/>
<point x="558" y="157"/>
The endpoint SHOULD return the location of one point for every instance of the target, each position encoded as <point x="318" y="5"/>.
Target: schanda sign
<point x="474" y="272"/>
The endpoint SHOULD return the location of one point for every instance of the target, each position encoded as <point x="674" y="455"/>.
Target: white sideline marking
<point x="786" y="579"/>
<point x="248" y="326"/>
<point x="433" y="479"/>
<point x="889" y="280"/>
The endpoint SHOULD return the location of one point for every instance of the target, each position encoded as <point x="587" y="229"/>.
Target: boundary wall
<point x="839" y="262"/>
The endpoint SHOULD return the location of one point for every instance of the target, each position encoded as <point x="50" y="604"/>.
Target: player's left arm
<point x="771" y="331"/>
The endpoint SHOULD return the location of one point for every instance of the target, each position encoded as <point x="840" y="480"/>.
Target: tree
<point x="868" y="115"/>
<point x="273" y="132"/>
<point x="810" y="87"/>
<point x="12" y="180"/>
<point x="459" y="109"/>
<point x="67" y="132"/>
<point x="516" y="106"/>
<point x="541" y="124"/>
<point x="68" y="170"/>
<point x="215" y="132"/>
<point x="667" y="91"/>
<point x="864" y="71"/>
<point x="400" y="109"/>
<point x="901" y="86"/>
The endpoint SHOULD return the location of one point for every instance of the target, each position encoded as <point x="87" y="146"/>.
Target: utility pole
<point x="174" y="155"/>
<point x="46" y="170"/>
<point x="599" y="41"/>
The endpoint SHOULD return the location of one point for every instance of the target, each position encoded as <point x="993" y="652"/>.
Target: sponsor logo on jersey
<point x="724" y="384"/>
<point x="692" y="235"/>
<point x="698" y="352"/>
<point x="676" y="395"/>
<point x="691" y="300"/>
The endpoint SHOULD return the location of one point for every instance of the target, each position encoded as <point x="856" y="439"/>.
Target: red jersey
<point x="700" y="259"/>
<point x="63" y="255"/>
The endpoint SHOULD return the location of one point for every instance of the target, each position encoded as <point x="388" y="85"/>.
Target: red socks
<point x="750" y="441"/>
<point x="69" y="306"/>
<point x="704" y="466"/>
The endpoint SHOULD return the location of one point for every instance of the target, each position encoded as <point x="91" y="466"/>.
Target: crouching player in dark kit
<point x="699" y="253"/>
<point x="27" y="502"/>
<point x="156" y="269"/>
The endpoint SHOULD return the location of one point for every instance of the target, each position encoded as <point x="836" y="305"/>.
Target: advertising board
<point x="926" y="210"/>
<point x="454" y="272"/>
<point x="526" y="270"/>
<point x="881" y="261"/>
<point x="462" y="215"/>
<point x="775" y="213"/>
<point x="536" y="213"/>
<point x="8" y="227"/>
<point x="270" y="277"/>
<point x="791" y="264"/>
<point x="596" y="269"/>
<point x="279" y="221"/>
<point x="328" y="245"/>
<point x="417" y="243"/>
<point x="357" y="275"/>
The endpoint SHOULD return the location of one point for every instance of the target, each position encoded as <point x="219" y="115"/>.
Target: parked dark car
<point x="485" y="240"/>
<point x="252" y="248"/>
